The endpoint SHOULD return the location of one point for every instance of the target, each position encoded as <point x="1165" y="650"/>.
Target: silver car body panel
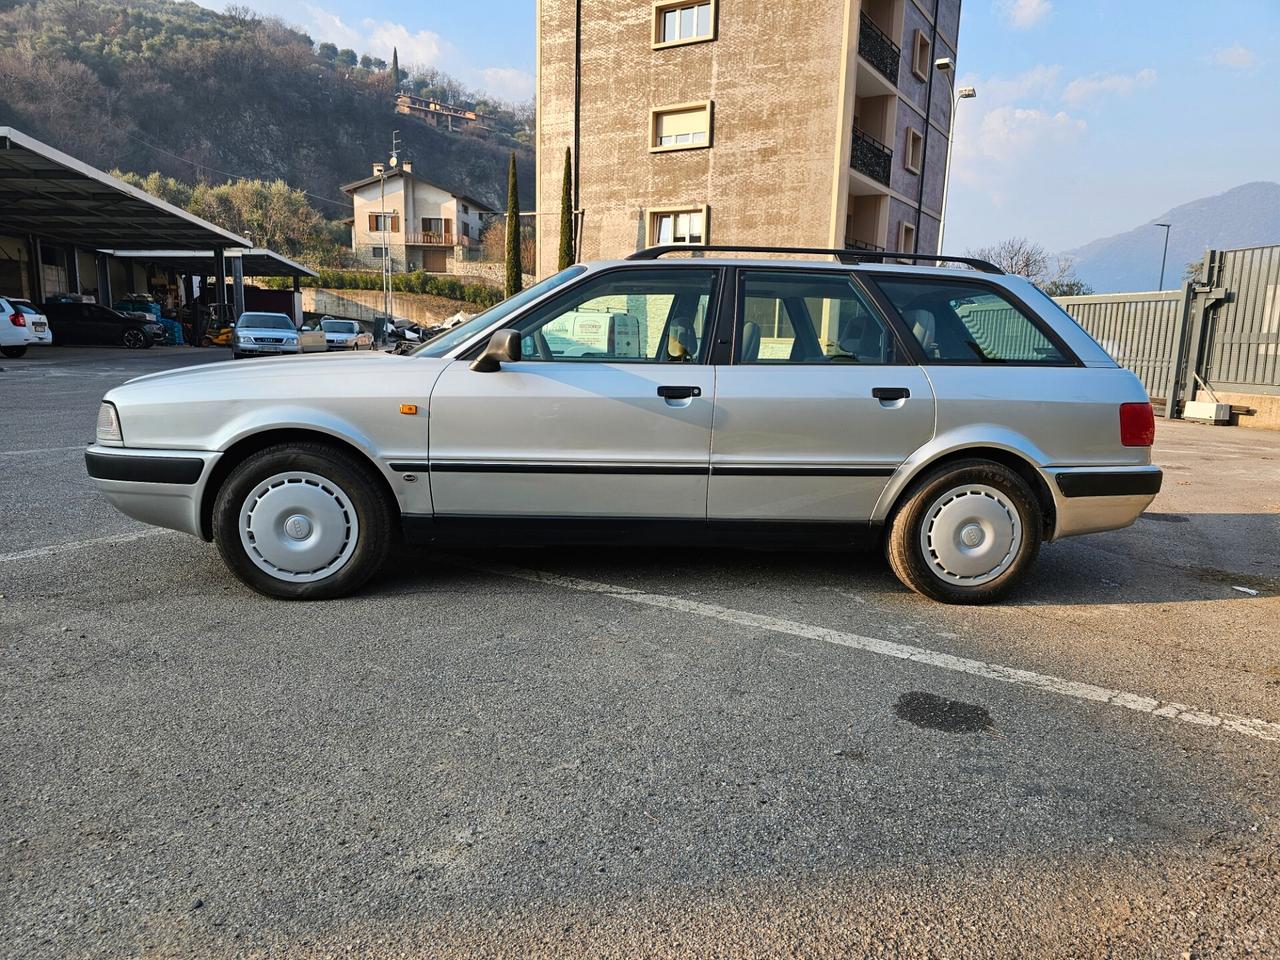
<point x="593" y="439"/>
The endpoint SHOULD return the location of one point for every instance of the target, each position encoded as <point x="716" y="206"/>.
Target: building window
<point x="685" y="126"/>
<point x="379" y="253"/>
<point x="678" y="226"/>
<point x="920" y="56"/>
<point x="380" y="222"/>
<point x="678" y="21"/>
<point x="914" y="154"/>
<point x="906" y="237"/>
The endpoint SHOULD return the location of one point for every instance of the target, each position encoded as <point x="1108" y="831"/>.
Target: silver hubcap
<point x="971" y="535"/>
<point x="298" y="527"/>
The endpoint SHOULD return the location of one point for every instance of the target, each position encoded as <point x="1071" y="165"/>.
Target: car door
<point x="102" y="325"/>
<point x="606" y="415"/>
<point x="819" y="405"/>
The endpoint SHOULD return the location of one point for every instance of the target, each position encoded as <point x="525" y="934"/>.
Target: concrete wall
<point x="367" y="305"/>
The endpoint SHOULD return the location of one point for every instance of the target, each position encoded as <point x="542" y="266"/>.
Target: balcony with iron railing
<point x="429" y="239"/>
<point x="878" y="50"/>
<point x="866" y="245"/>
<point x="871" y="157"/>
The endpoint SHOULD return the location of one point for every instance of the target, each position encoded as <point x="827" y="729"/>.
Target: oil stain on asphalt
<point x="938" y="713"/>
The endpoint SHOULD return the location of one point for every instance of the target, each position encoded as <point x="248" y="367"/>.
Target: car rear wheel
<point x="13" y="353"/>
<point x="135" y="339"/>
<point x="303" y="521"/>
<point x="966" y="532"/>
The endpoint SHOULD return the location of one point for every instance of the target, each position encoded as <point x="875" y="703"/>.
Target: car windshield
<point x="265" y="321"/>
<point x="339" y="326"/>
<point x="439" y="345"/>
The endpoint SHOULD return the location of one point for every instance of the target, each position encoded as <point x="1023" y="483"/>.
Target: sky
<point x="1092" y="116"/>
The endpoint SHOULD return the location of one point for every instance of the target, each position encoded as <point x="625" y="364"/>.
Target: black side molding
<point x="107" y="466"/>
<point x="1103" y="483"/>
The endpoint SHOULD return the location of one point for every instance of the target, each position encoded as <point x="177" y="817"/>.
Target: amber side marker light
<point x="409" y="408"/>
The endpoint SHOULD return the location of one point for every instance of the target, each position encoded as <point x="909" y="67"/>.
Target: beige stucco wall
<point x="773" y="74"/>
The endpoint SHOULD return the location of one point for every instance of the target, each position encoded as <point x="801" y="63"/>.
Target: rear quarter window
<point x="965" y="322"/>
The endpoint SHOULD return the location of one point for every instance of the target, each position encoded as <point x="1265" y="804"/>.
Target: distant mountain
<point x="1246" y="216"/>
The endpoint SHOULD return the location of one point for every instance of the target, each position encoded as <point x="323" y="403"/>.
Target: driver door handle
<point x="679" y="393"/>
<point x="890" y="393"/>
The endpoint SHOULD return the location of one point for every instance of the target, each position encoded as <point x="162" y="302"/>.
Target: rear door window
<point x="957" y="321"/>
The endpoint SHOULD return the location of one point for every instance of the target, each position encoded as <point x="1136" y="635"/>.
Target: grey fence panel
<point x="1243" y="342"/>
<point x="1141" y="331"/>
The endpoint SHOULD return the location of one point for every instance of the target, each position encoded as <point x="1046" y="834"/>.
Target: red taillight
<point x="18" y="319"/>
<point x="1137" y="425"/>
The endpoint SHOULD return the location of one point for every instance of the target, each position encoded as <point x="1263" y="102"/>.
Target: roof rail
<point x="844" y="255"/>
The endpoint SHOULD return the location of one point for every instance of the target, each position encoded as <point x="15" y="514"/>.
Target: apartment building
<point x="797" y="122"/>
<point x="417" y="225"/>
<point x="441" y="114"/>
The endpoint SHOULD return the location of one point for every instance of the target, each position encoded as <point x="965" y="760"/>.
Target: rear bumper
<point x="161" y="487"/>
<point x="265" y="349"/>
<point x="1090" y="499"/>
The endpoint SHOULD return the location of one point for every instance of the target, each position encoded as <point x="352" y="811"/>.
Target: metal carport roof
<point x="257" y="261"/>
<point x="57" y="198"/>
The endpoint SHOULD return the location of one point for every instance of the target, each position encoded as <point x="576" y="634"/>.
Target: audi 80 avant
<point x="957" y="415"/>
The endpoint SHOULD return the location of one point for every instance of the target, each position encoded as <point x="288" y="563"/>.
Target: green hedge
<point x="476" y="294"/>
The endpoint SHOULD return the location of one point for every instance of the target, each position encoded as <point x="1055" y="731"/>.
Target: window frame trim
<point x="650" y="213"/>
<point x="707" y="106"/>
<point x="662" y="6"/>
<point x="916" y="46"/>
<point x="906" y="151"/>
<point x="705" y="349"/>
<point x="870" y="281"/>
<point x="727" y="353"/>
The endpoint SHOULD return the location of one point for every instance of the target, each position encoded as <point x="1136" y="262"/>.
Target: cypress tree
<point x="514" y="280"/>
<point x="395" y="69"/>
<point x="566" y="214"/>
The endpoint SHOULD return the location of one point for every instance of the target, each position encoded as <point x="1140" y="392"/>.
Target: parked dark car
<point x="92" y="323"/>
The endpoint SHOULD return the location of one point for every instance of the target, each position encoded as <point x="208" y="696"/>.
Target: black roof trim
<point x="843" y="254"/>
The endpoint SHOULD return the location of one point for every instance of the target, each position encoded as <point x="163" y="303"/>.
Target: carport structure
<point x="54" y="207"/>
<point x="251" y="262"/>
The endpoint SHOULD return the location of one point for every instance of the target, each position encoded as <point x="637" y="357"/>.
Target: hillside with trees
<point x="207" y="97"/>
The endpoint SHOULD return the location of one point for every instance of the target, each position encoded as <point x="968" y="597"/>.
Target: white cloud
<point x="1009" y="133"/>
<point x="1083" y="89"/>
<point x="507" y="83"/>
<point x="1025" y="14"/>
<point x="1237" y="56"/>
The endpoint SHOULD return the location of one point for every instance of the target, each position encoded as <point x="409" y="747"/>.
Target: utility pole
<point x="1164" y="256"/>
<point x="380" y="329"/>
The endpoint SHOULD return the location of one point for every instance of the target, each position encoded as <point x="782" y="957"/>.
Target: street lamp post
<point x="1164" y="256"/>
<point x="946" y="66"/>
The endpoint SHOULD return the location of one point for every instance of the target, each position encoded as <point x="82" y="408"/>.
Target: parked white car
<point x="959" y="418"/>
<point x="345" y="335"/>
<point x="21" y="326"/>
<point x="272" y="334"/>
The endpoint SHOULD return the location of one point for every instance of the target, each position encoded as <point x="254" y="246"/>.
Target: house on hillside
<point x="415" y="224"/>
<point x="441" y="114"/>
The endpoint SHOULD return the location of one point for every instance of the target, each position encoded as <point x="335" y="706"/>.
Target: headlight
<point x="109" y="424"/>
<point x="243" y="338"/>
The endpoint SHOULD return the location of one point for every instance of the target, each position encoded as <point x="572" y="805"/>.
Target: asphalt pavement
<point x="632" y="753"/>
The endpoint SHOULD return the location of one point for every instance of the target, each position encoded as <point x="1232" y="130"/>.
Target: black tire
<point x="13" y="353"/>
<point x="375" y="514"/>
<point x="135" y="338"/>
<point x="236" y="355"/>
<point x="925" y="571"/>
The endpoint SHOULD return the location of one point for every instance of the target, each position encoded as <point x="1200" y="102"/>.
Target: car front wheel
<point x="13" y="353"/>
<point x="303" y="521"/>
<point x="135" y="339"/>
<point x="967" y="532"/>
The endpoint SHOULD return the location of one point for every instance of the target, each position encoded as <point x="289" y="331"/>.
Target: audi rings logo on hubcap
<point x="971" y="535"/>
<point x="298" y="527"/>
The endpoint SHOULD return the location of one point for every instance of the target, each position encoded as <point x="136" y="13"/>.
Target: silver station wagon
<point x="822" y="398"/>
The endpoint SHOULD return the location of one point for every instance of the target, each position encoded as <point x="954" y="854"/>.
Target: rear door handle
<point x="679" y="393"/>
<point x="890" y="393"/>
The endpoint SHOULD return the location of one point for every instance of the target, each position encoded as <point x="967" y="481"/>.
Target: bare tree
<point x="1055" y="275"/>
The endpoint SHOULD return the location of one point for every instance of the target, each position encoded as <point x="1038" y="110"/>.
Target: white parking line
<point x="1165" y="710"/>
<point x="55" y="548"/>
<point x="20" y="453"/>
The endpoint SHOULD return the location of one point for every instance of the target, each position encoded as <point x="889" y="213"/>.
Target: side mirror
<point x="503" y="347"/>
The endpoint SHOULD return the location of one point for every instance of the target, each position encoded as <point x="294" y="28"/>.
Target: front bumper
<point x="266" y="349"/>
<point x="164" y="488"/>
<point x="1091" y="499"/>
